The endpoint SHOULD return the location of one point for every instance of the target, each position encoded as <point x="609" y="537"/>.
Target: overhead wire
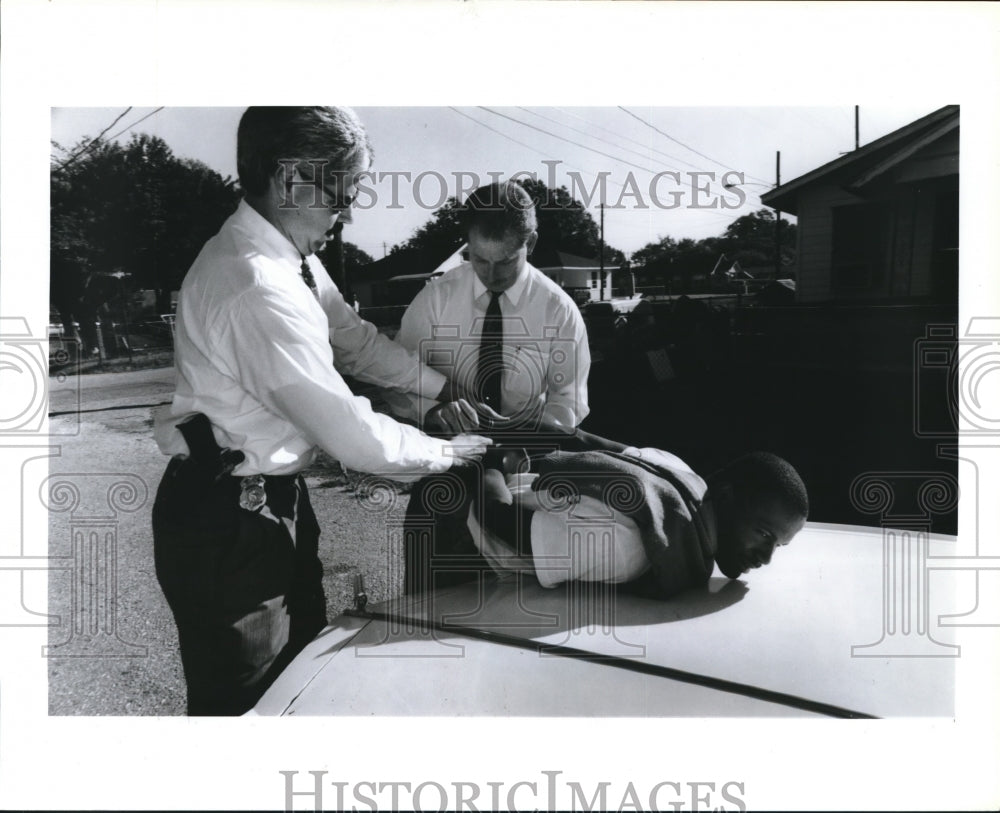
<point x="567" y="140"/>
<point x="641" y="144"/>
<point x="134" y="123"/>
<point x="731" y="216"/>
<point x="528" y="146"/>
<point x="576" y="143"/>
<point x="646" y="145"/>
<point x="678" y="141"/>
<point x="589" y="135"/>
<point x="93" y="141"/>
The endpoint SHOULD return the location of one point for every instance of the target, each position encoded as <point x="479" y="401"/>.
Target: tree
<point x="673" y="263"/>
<point x="135" y="211"/>
<point x="563" y="225"/>
<point x="354" y="260"/>
<point x="440" y="235"/>
<point x="750" y="239"/>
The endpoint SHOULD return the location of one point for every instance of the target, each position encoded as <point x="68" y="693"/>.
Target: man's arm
<point x="566" y="378"/>
<point x="413" y="404"/>
<point x="362" y="352"/>
<point x="447" y="410"/>
<point x="285" y="362"/>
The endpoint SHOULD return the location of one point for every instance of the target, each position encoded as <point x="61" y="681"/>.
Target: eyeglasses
<point x="334" y="201"/>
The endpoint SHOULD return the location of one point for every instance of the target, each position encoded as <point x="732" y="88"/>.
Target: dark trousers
<point x="245" y="588"/>
<point x="438" y="549"/>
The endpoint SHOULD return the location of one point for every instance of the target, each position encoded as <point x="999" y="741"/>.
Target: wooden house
<point x="880" y="224"/>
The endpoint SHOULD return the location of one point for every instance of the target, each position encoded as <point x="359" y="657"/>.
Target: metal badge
<point x="252" y="496"/>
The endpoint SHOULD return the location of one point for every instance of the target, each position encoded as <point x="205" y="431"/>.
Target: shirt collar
<point x="262" y="232"/>
<point x="513" y="294"/>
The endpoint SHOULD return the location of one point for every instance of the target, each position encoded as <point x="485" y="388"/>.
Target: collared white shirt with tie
<point x="262" y="357"/>
<point x="545" y="350"/>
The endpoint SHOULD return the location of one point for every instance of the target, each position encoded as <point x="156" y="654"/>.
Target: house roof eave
<point x="784" y="198"/>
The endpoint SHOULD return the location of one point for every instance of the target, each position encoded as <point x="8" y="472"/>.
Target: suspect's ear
<point x="530" y="242"/>
<point x="723" y="493"/>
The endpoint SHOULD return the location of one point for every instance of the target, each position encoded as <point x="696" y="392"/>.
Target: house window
<point x="593" y="279"/>
<point x="858" y="253"/>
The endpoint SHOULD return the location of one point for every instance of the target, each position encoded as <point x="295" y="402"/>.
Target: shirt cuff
<point x="561" y="414"/>
<point x="430" y="383"/>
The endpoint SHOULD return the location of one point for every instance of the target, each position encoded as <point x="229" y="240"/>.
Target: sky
<point x="446" y="150"/>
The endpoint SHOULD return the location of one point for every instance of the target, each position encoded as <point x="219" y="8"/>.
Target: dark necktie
<point x="489" y="371"/>
<point x="308" y="278"/>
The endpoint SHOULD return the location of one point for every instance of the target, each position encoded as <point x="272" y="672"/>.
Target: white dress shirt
<point x="585" y="540"/>
<point x="253" y="352"/>
<point x="545" y="350"/>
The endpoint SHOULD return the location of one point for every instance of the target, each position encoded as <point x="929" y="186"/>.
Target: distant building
<point x="580" y="277"/>
<point x="459" y="256"/>
<point x="881" y="223"/>
<point x="728" y="276"/>
<point x="395" y="279"/>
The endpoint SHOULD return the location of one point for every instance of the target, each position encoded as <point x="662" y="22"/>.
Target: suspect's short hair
<point x="501" y="209"/>
<point x="762" y="474"/>
<point x="268" y="135"/>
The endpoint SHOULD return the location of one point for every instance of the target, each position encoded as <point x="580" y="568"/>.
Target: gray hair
<point x="268" y="136"/>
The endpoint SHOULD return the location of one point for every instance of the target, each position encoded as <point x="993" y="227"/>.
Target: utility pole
<point x="857" y="126"/>
<point x="384" y="251"/>
<point x="601" y="207"/>
<point x="777" y="217"/>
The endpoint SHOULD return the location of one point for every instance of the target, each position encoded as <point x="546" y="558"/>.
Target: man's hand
<point x="489" y="418"/>
<point x="469" y="449"/>
<point x="452" y="418"/>
<point x="455" y="417"/>
<point x="547" y="424"/>
<point x="453" y="391"/>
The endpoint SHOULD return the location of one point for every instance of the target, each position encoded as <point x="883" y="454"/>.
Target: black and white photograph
<point x="491" y="432"/>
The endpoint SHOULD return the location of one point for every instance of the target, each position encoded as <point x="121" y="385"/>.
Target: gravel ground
<point x="127" y="662"/>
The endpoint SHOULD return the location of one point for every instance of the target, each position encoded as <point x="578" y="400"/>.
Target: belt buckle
<point x="252" y="493"/>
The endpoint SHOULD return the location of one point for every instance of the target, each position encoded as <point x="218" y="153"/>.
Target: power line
<point x="599" y="152"/>
<point x="729" y="217"/>
<point x="589" y="135"/>
<point x="133" y="124"/>
<point x="554" y="121"/>
<point x="733" y="215"/>
<point x="528" y="146"/>
<point x="568" y="140"/>
<point x="92" y="141"/>
<point x="498" y="132"/>
<point x="677" y="141"/>
<point x="649" y="147"/>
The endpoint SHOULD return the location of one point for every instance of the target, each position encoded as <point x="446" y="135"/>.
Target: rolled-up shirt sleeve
<point x="285" y="362"/>
<point x="568" y="370"/>
<point x="417" y="324"/>
<point x="362" y="352"/>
